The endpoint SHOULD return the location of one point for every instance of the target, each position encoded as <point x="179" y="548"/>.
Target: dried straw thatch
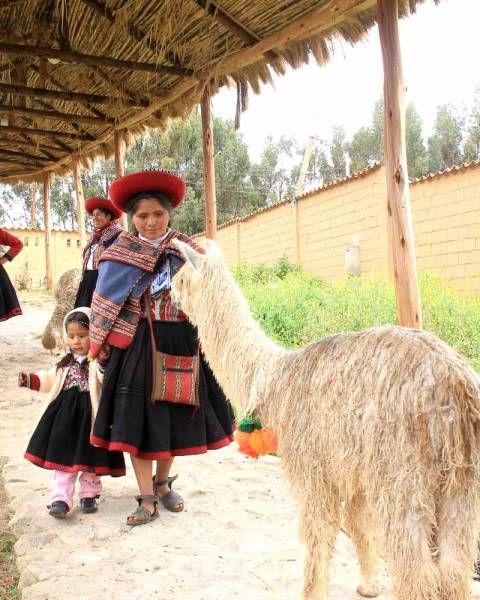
<point x="182" y="45"/>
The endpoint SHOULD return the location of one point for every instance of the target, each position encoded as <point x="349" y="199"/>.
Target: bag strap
<point x="148" y="308"/>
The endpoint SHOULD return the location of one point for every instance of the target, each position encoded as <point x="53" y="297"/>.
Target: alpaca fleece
<point x="385" y="421"/>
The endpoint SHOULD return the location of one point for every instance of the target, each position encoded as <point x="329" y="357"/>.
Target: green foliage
<point x="416" y="153"/>
<point x="444" y="146"/>
<point x="297" y="308"/>
<point x="8" y="572"/>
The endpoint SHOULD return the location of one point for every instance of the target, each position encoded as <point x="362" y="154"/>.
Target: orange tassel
<point x="270" y="440"/>
<point x="257" y="443"/>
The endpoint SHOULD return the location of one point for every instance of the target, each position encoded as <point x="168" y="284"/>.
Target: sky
<point x="440" y="50"/>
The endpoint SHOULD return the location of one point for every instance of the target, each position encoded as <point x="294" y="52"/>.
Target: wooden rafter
<point x="89" y="59"/>
<point x="233" y="25"/>
<point x="111" y="81"/>
<point x="16" y="154"/>
<point x="45" y="132"/>
<point x="55" y="115"/>
<point x="28" y="143"/>
<point x="22" y="90"/>
<point x="21" y="162"/>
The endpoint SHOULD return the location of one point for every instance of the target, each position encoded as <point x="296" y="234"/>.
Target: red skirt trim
<point x="13" y="313"/>
<point x="122" y="447"/>
<point x="46" y="464"/>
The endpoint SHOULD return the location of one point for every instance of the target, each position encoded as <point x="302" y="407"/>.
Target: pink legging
<point x="64" y="486"/>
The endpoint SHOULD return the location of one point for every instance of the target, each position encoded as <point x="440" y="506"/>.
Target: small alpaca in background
<point x="386" y="420"/>
<point x="64" y="293"/>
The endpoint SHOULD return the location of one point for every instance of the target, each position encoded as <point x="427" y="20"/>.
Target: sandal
<point x="142" y="515"/>
<point x="171" y="500"/>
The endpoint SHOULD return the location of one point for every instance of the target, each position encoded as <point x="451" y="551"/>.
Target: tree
<point x="338" y="150"/>
<point x="361" y="150"/>
<point x="471" y="149"/>
<point x="444" y="146"/>
<point x="270" y="178"/>
<point x="416" y="153"/>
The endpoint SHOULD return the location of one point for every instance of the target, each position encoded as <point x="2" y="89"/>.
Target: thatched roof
<point x="132" y="64"/>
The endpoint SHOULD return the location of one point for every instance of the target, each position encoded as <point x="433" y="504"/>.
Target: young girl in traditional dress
<point x="9" y="305"/>
<point x="61" y="439"/>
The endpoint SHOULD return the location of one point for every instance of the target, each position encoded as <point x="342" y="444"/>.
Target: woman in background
<point x="105" y="232"/>
<point x="9" y="305"/>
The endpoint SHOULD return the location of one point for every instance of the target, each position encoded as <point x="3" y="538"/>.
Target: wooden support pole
<point x="80" y="200"/>
<point x="33" y="205"/>
<point x="399" y="217"/>
<point x="208" y="166"/>
<point x="48" y="231"/>
<point x="119" y="166"/>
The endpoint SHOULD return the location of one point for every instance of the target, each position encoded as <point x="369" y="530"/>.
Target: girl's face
<point x="78" y="338"/>
<point x="100" y="218"/>
<point x="150" y="218"/>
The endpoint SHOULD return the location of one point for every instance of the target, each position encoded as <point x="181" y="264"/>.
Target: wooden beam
<point x="21" y="162"/>
<point x="399" y="215"/>
<point x="208" y="167"/>
<point x="22" y="90"/>
<point x="48" y="231"/>
<point x="44" y="132"/>
<point x="234" y="26"/>
<point x="133" y="31"/>
<point x="42" y="72"/>
<point x="16" y="154"/>
<point x="56" y="115"/>
<point x="69" y="56"/>
<point x="30" y="144"/>
<point x="113" y="82"/>
<point x="120" y="166"/>
<point x="315" y="22"/>
<point x="77" y="183"/>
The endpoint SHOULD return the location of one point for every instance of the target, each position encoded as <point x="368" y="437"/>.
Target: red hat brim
<point x="96" y="202"/>
<point x="123" y="188"/>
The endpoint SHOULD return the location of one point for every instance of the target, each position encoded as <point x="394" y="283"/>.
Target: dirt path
<point x="237" y="537"/>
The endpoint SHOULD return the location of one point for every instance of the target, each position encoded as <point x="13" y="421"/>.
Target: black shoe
<point x="58" y="509"/>
<point x="476" y="573"/>
<point x="88" y="505"/>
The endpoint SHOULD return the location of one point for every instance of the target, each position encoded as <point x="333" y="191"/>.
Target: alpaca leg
<point x="408" y="548"/>
<point x="361" y="529"/>
<point x="457" y="545"/>
<point x="319" y="526"/>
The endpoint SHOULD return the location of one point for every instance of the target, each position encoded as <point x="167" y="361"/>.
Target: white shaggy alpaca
<point x="386" y="420"/>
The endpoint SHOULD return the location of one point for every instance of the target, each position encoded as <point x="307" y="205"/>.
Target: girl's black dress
<point x="61" y="440"/>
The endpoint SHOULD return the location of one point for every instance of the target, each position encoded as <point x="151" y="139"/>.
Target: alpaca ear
<point x="188" y="252"/>
<point x="213" y="249"/>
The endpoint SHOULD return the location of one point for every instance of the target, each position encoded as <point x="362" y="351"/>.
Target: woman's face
<point x="150" y="218"/>
<point x="100" y="218"/>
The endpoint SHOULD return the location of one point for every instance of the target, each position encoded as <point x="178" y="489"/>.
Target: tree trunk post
<point x="48" y="231"/>
<point x="119" y="167"/>
<point x="208" y="167"/>
<point x="399" y="218"/>
<point x="80" y="200"/>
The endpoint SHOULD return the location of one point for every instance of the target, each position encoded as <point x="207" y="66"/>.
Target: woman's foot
<point x="145" y="512"/>
<point x="58" y="509"/>
<point x="170" y="499"/>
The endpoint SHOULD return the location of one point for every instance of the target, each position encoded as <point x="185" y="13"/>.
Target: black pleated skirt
<point x="86" y="288"/>
<point x="128" y="421"/>
<point x="9" y="305"/>
<point x="61" y="440"/>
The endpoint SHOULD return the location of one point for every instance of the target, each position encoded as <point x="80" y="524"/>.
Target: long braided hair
<point x="67" y="360"/>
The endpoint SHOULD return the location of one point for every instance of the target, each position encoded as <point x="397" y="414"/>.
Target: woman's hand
<point x="23" y="379"/>
<point x="3" y="260"/>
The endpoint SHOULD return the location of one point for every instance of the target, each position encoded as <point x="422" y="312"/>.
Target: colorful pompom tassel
<point x="253" y="440"/>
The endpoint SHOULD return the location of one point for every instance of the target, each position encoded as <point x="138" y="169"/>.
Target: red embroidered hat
<point x="97" y="202"/>
<point x="123" y="188"/>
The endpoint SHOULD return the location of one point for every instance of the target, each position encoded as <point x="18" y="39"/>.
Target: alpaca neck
<point x="238" y="350"/>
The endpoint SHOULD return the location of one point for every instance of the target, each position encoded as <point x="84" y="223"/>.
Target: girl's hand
<point x="23" y="379"/>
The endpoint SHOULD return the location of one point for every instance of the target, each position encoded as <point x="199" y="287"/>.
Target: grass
<point x="9" y="575"/>
<point x="296" y="308"/>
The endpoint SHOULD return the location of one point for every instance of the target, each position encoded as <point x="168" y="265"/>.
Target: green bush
<point x="296" y="308"/>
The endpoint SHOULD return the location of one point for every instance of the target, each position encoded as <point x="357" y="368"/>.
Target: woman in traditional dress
<point x="9" y="305"/>
<point x="105" y="232"/>
<point x="159" y="397"/>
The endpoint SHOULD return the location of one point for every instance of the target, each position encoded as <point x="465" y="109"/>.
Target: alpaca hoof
<point x="369" y="590"/>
